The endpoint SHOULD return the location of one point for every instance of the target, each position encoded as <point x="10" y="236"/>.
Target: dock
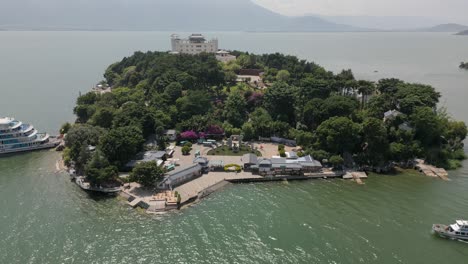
<point x="431" y="171"/>
<point x="356" y="176"/>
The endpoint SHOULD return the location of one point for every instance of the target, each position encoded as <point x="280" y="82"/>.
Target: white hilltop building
<point x="194" y="44"/>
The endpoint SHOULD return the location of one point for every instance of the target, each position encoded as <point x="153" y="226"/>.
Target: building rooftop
<point x="170" y="132"/>
<point x="278" y="160"/>
<point x="146" y="157"/>
<point x="249" y="158"/>
<point x="182" y="172"/>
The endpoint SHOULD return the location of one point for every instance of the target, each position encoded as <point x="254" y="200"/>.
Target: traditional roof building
<point x="224" y="56"/>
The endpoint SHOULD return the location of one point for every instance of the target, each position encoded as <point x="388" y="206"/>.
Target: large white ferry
<point x="459" y="230"/>
<point x="18" y="137"/>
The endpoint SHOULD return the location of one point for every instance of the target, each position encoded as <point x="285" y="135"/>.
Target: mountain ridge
<point x="161" y="15"/>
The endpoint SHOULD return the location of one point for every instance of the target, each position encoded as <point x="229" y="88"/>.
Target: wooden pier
<point x="431" y="171"/>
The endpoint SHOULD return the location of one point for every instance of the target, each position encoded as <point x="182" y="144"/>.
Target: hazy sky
<point x="447" y="9"/>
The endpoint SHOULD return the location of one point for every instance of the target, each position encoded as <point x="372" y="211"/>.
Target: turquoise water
<point x="47" y="219"/>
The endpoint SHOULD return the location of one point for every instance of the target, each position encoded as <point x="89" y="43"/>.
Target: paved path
<point x="193" y="188"/>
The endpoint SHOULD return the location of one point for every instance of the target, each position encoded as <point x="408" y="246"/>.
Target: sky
<point x="450" y="10"/>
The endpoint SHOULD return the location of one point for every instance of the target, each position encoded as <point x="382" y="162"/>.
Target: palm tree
<point x="365" y="88"/>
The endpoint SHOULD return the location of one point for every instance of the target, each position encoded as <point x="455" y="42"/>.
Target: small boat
<point x="459" y="230"/>
<point x="85" y="185"/>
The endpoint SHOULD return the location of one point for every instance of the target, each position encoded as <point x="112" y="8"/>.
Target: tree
<point x="195" y="103"/>
<point x="425" y="93"/>
<point x="304" y="138"/>
<point x="261" y="122"/>
<point x="147" y="173"/>
<point x="339" y="106"/>
<point x="314" y="113"/>
<point x="99" y="170"/>
<point x="103" y="117"/>
<point x="65" y="128"/>
<point x="248" y="131"/>
<point x="428" y="126"/>
<point x="121" y="144"/>
<point x="375" y="141"/>
<point x="338" y="135"/>
<point x="389" y="86"/>
<point x="337" y="161"/>
<point x="283" y="76"/>
<point x="173" y="91"/>
<point x="186" y="150"/>
<point x="279" y="101"/>
<point x="365" y="88"/>
<point x="235" y="109"/>
<point x="138" y="115"/>
<point x="78" y="138"/>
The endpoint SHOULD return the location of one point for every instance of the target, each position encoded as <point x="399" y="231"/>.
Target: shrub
<point x="336" y="161"/>
<point x="188" y="144"/>
<point x="228" y="167"/>
<point x="186" y="150"/>
<point x="280" y="147"/>
<point x="282" y="153"/>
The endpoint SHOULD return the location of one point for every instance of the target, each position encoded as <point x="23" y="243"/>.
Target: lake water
<point x="44" y="218"/>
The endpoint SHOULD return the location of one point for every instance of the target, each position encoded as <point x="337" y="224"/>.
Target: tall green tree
<point x="121" y="144"/>
<point x="147" y="173"/>
<point x="279" y="100"/>
<point x="235" y="109"/>
<point x="338" y="135"/>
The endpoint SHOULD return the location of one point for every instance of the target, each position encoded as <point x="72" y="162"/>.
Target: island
<point x="252" y="117"/>
<point x="464" y="65"/>
<point x="462" y="33"/>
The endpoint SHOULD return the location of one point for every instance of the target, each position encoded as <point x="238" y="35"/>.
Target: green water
<point x="44" y="218"/>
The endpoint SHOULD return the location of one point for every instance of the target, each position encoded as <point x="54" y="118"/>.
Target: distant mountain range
<point x="163" y="15"/>
<point x="190" y="15"/>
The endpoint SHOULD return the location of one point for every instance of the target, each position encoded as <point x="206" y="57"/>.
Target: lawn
<point x="225" y="151"/>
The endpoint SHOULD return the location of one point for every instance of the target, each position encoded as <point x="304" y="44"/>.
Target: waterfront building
<point x="194" y="44"/>
<point x="18" y="137"/>
<point x="181" y="176"/>
<point x="279" y="166"/>
<point x="249" y="160"/>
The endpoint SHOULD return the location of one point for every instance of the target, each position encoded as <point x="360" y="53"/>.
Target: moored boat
<point x="458" y="230"/>
<point x="15" y="136"/>
<point x="87" y="186"/>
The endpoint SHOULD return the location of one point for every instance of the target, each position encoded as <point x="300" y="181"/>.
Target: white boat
<point x="459" y="230"/>
<point x="18" y="137"/>
<point x="85" y="185"/>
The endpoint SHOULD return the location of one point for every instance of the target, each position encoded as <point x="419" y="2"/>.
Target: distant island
<point x="464" y="65"/>
<point x="451" y="27"/>
<point x="335" y="118"/>
<point x="463" y="33"/>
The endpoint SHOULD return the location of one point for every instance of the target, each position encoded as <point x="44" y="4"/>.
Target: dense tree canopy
<point x="330" y="115"/>
<point x="147" y="173"/>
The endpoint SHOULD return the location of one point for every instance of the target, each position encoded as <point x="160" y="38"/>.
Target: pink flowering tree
<point x="189" y="135"/>
<point x="214" y="130"/>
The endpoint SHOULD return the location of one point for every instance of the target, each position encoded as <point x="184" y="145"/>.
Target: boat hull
<point x="21" y="150"/>
<point x="444" y="232"/>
